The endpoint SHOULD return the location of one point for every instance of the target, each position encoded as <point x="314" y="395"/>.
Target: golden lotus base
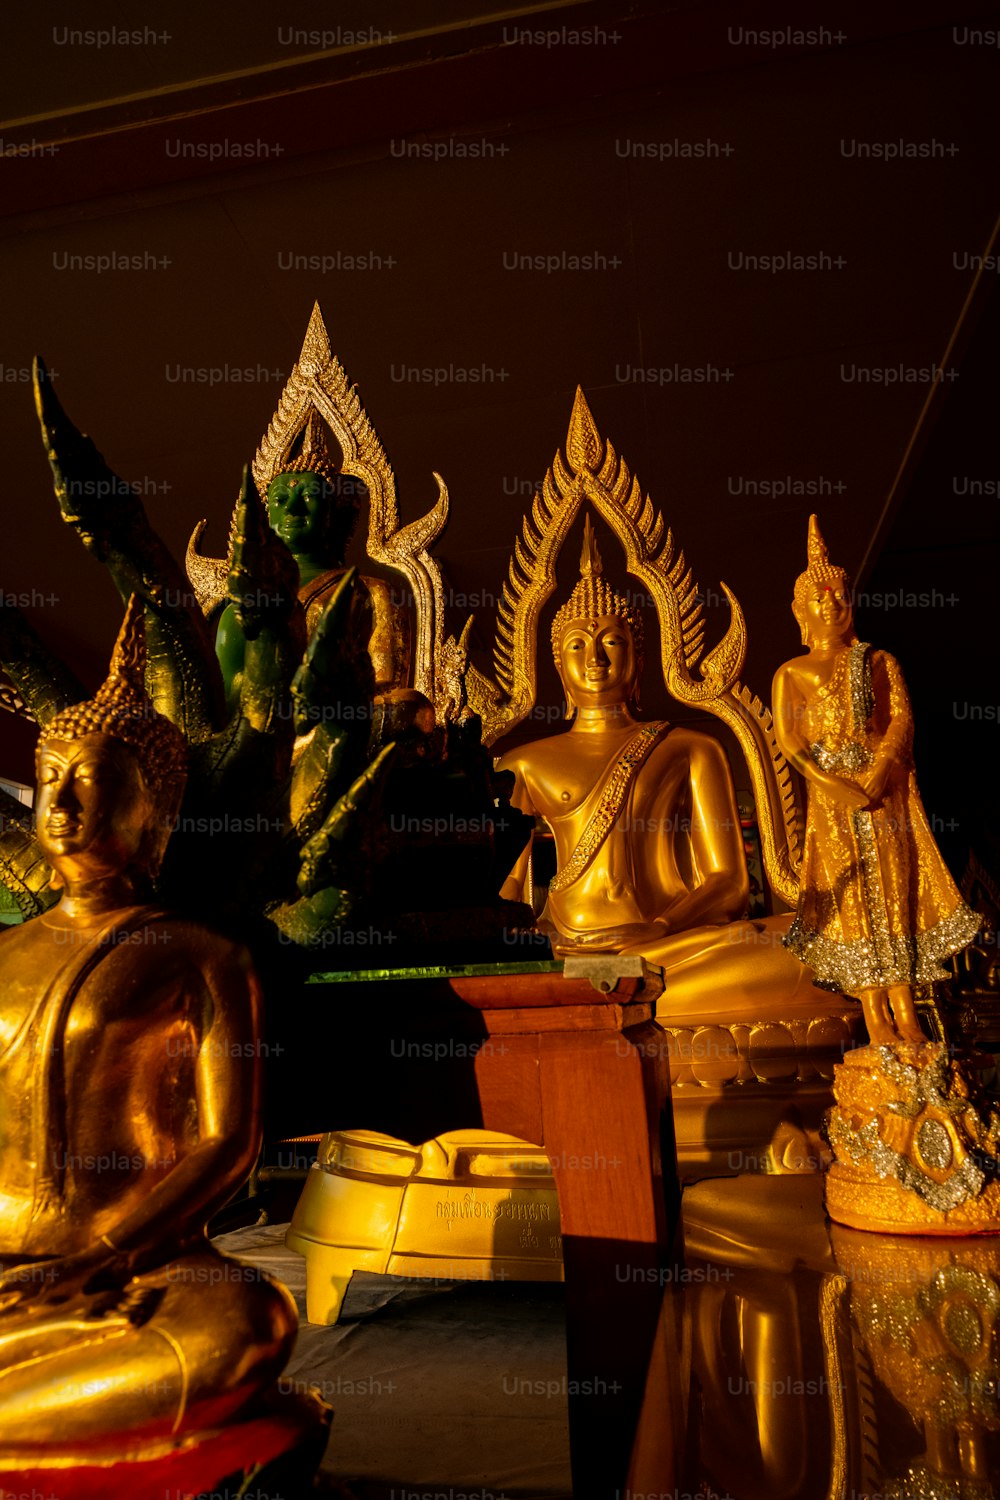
<point x="861" y="1200"/>
<point x="469" y="1204"/>
<point x="750" y="1093"/>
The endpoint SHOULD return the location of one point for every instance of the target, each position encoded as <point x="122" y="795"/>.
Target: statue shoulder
<point x="380" y="589"/>
<point x="883" y="661"/>
<point x="694" y="743"/>
<point x="522" y="757"/>
<point x="791" y="674"/>
<point x="167" y="945"/>
<point x="203" y="944"/>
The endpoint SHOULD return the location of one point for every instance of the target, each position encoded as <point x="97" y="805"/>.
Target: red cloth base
<point x="286" y="1436"/>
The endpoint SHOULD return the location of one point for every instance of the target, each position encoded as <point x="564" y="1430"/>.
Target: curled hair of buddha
<point x="820" y="569"/>
<point x="314" y="456"/>
<point x="593" y="598"/>
<point x="122" y="709"/>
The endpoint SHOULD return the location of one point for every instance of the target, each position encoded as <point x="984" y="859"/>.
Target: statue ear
<point x="569" y="704"/>
<point x="802" y="621"/>
<point x="636" y="705"/>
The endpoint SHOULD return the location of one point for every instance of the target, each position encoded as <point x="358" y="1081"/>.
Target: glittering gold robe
<point x="878" y="906"/>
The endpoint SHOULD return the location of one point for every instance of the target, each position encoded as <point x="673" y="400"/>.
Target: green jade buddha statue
<point x="308" y="511"/>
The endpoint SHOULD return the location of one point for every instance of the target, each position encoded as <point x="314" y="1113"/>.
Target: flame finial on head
<point x="820" y="569"/>
<point x="314" y="455"/>
<point x="593" y="597"/>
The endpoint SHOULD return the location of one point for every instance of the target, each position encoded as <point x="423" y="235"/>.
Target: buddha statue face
<point x="821" y="602"/>
<point x="824" y="611"/>
<point x="95" y="813"/>
<point x="298" y="508"/>
<point x="598" y="663"/>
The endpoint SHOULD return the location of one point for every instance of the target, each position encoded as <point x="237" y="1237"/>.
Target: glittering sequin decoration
<point x="878" y="906"/>
<point x="608" y="808"/>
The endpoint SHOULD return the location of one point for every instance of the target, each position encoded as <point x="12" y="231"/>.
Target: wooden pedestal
<point x="584" y="1075"/>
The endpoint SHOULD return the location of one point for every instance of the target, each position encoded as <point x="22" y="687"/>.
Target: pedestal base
<point x="278" y="1448"/>
<point x="750" y="1093"/>
<point x="862" y="1201"/>
<point x="916" y="1141"/>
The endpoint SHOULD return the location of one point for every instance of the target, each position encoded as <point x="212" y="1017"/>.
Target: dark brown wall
<point x="555" y="130"/>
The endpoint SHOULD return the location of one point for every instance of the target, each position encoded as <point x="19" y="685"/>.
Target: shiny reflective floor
<point x="818" y="1364"/>
<point x="831" y="1363"/>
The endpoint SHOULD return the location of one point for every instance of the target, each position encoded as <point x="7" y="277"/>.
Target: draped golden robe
<point x="100" y="1099"/>
<point x="878" y="906"/>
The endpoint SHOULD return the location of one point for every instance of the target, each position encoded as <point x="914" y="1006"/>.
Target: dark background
<point x="538" y="157"/>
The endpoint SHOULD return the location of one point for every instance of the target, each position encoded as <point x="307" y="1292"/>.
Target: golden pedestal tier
<point x="469" y="1204"/>
<point x="750" y="1094"/>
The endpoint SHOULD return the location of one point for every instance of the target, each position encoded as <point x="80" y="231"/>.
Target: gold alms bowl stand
<point x="470" y="1204"/>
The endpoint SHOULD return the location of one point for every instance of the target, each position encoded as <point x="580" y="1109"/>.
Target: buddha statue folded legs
<point x="181" y="1349"/>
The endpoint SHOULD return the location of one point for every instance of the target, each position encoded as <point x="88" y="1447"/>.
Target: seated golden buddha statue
<point x="649" y="849"/>
<point x="129" y="1096"/>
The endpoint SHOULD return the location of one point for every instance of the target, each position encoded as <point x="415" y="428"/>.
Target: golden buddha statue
<point x="649" y="849"/>
<point x="129" y="1099"/>
<point x="878" y="909"/>
<point x="914" y="1136"/>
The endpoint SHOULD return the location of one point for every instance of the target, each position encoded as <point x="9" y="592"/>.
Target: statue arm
<point x="227" y="1100"/>
<point x="721" y="885"/>
<point x="787" y="706"/>
<point x="896" y="743"/>
<point x="517" y="886"/>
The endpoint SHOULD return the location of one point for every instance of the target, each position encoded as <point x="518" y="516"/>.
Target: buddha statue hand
<point x="842" y="789"/>
<point x="64" y="1278"/>
<point x="875" y="779"/>
<point x="264" y="577"/>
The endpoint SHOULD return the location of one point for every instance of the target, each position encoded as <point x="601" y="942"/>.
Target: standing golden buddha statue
<point x="129" y="1103"/>
<point x="878" y="909"/>
<point x="915" y="1140"/>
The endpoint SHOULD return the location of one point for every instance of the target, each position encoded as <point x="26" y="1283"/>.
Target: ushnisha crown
<point x="313" y="457"/>
<point x="593" y="598"/>
<point x="819" y="570"/>
<point x="122" y="708"/>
